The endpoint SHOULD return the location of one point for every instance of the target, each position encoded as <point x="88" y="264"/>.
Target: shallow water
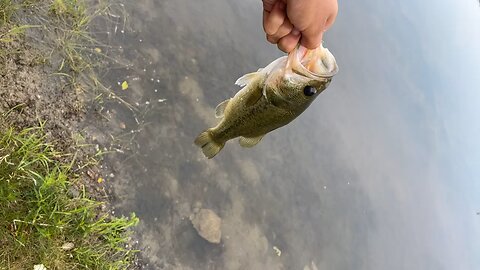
<point x="377" y="174"/>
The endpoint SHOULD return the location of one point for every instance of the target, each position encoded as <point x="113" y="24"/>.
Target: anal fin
<point x="250" y="141"/>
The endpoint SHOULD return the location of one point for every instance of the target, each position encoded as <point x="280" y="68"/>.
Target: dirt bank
<point x="31" y="95"/>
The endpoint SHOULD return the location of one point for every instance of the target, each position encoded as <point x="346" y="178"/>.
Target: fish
<point x="270" y="98"/>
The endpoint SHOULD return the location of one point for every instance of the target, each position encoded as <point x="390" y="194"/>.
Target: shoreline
<point x="42" y="98"/>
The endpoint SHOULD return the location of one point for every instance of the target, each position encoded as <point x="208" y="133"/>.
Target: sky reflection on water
<point x="379" y="173"/>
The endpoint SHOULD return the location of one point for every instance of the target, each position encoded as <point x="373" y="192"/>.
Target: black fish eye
<point x="309" y="91"/>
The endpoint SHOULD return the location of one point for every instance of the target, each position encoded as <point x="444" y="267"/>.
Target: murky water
<point x="366" y="178"/>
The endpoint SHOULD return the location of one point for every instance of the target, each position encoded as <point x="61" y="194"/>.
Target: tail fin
<point x="209" y="147"/>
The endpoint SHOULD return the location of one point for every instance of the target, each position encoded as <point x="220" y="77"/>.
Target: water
<point x="379" y="173"/>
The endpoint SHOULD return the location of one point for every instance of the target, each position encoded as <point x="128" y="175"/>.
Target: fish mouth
<point x="316" y="63"/>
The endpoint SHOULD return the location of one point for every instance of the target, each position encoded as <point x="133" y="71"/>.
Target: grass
<point x="62" y="29"/>
<point x="7" y="8"/>
<point x="45" y="218"/>
<point x="71" y="21"/>
<point x="40" y="219"/>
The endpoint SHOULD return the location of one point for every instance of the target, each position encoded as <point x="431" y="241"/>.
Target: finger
<point x="272" y="39"/>
<point x="273" y="20"/>
<point x="285" y="29"/>
<point x="312" y="30"/>
<point x="268" y="5"/>
<point x="329" y="22"/>
<point x="312" y="37"/>
<point x="288" y="42"/>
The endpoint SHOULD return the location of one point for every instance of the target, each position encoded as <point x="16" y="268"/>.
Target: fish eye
<point x="309" y="91"/>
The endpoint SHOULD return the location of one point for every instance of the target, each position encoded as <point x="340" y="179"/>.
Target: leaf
<point x="124" y="85"/>
<point x="100" y="180"/>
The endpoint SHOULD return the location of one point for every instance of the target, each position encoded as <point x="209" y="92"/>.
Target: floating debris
<point x="124" y="85"/>
<point x="277" y="251"/>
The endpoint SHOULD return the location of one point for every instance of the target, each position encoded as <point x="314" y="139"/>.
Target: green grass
<point x="69" y="23"/>
<point x="7" y="8"/>
<point x="63" y="30"/>
<point x="38" y="213"/>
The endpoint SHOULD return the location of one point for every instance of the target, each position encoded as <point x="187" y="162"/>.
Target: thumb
<point x="311" y="39"/>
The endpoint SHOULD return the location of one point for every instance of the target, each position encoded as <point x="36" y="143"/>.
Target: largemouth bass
<point x="270" y="98"/>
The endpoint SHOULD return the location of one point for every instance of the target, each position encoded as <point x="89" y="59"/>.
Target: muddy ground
<point x="33" y="95"/>
<point x="30" y="94"/>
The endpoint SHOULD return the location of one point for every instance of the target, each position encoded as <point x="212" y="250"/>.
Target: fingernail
<point x="295" y="32"/>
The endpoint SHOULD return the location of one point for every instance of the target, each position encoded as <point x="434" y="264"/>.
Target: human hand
<point x="288" y="22"/>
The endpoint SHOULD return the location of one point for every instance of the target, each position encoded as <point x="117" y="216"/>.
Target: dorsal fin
<point x="245" y="79"/>
<point x="220" y="109"/>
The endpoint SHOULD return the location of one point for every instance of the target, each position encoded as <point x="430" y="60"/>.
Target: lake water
<point x="381" y="172"/>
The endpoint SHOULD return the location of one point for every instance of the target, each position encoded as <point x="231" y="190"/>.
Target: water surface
<point x="379" y="173"/>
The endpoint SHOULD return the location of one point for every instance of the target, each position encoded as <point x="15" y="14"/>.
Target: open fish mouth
<point x="316" y="63"/>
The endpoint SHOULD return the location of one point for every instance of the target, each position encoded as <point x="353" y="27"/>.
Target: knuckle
<point x="270" y="30"/>
<point x="271" y="39"/>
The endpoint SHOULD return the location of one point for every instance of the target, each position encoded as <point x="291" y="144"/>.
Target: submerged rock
<point x="207" y="224"/>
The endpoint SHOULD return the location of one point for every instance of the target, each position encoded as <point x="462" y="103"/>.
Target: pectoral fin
<point x="250" y="142"/>
<point x="220" y="109"/>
